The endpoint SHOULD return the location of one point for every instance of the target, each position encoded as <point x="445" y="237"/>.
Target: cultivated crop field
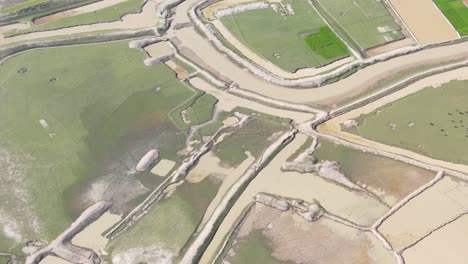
<point x="456" y="12"/>
<point x="433" y="122"/>
<point x="74" y="122"/>
<point x="288" y="39"/>
<point x="364" y="22"/>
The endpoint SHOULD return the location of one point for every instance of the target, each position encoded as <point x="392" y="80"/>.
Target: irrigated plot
<point x="74" y="123"/>
<point x="456" y="12"/>
<point x="364" y="22"/>
<point x="290" y="34"/>
<point x="433" y="122"/>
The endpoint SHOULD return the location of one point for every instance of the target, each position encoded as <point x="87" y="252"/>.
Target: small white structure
<point x="148" y="161"/>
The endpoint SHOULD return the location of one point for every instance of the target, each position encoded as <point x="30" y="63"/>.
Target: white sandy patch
<point x="160" y="49"/>
<point x="54" y="260"/>
<point x="154" y="255"/>
<point x="163" y="167"/>
<point x="9" y="27"/>
<point x="230" y="121"/>
<point x="91" y="236"/>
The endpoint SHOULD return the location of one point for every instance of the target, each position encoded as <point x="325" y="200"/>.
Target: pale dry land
<point x="354" y="206"/>
<point x="54" y="260"/>
<point x="446" y="245"/>
<point x="77" y="11"/>
<point x="163" y="167"/>
<point x="159" y="49"/>
<point x="9" y="27"/>
<point x="211" y="9"/>
<point x="432" y="208"/>
<point x="425" y="21"/>
<point x="333" y="127"/>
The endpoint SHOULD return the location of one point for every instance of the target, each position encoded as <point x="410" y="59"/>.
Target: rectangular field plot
<point x="286" y="34"/>
<point x="456" y="12"/>
<point x="365" y="23"/>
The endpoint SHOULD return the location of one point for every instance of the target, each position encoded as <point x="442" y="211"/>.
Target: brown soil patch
<point x="181" y="73"/>
<point x="323" y="242"/>
<point x="54" y="17"/>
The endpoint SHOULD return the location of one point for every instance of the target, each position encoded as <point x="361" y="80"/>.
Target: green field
<point x="168" y="225"/>
<point x="456" y="12"/>
<point x="283" y="39"/>
<point x="108" y="14"/>
<point x="75" y="116"/>
<point x="253" y="137"/>
<point x="433" y="122"/>
<point x="359" y="21"/>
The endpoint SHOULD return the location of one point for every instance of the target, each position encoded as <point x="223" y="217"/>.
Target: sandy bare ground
<point x="77" y="11"/>
<point x="332" y="127"/>
<point x="147" y="18"/>
<point x="158" y="50"/>
<point x="227" y="102"/>
<point x="180" y="72"/>
<point x="54" y="260"/>
<point x="356" y="207"/>
<point x="425" y="21"/>
<point x="163" y="167"/>
<point x="269" y="66"/>
<point x="211" y="9"/>
<point x="447" y="245"/>
<point x="435" y="206"/>
<point x="336" y="92"/>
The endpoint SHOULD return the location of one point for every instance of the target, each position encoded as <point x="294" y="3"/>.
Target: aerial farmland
<point x="233" y="131"/>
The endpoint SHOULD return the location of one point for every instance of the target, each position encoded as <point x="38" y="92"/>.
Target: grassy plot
<point x="326" y="44"/>
<point x="163" y="232"/>
<point x="282" y="36"/>
<point x="108" y="14"/>
<point x="365" y="22"/>
<point x="74" y="119"/>
<point x="456" y="12"/>
<point x="195" y="111"/>
<point x="433" y="122"/>
<point x="254" y="137"/>
<point x="254" y="249"/>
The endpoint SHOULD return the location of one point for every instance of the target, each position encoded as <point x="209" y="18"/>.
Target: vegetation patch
<point x="326" y="44"/>
<point x="254" y="248"/>
<point x="456" y="12"/>
<point x="278" y="35"/>
<point x="365" y="22"/>
<point x="432" y="122"/>
<point x="74" y="119"/>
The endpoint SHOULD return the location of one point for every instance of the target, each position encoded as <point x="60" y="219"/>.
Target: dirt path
<point x="77" y="11"/>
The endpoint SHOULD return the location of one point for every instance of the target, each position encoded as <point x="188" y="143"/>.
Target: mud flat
<point x="333" y="127"/>
<point x="354" y="206"/>
<point x="272" y="68"/>
<point x="293" y="239"/>
<point x="425" y="21"/>
<point x="446" y="245"/>
<point x="160" y="49"/>
<point x="76" y="11"/>
<point x="426" y="212"/>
